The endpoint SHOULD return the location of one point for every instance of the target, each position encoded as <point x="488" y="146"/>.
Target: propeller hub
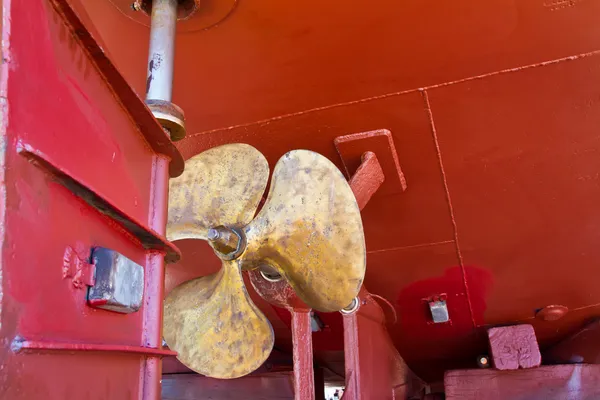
<point x="228" y="243"/>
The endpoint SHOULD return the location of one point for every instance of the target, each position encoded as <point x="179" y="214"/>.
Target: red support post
<point x="155" y="278"/>
<point x="281" y="294"/>
<point x="304" y="381"/>
<point x="374" y="368"/>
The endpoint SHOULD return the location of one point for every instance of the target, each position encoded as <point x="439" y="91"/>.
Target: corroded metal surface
<point x="221" y="186"/>
<point x="310" y="230"/>
<point x="214" y="326"/>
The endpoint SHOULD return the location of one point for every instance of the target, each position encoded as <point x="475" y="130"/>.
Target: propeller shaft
<point x="159" y="79"/>
<point x="162" y="50"/>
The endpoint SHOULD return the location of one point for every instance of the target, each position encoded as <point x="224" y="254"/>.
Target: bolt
<point x="483" y="361"/>
<point x="135" y="6"/>
<point x="213" y="234"/>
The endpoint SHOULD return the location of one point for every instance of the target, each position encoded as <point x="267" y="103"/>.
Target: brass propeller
<point x="214" y="326"/>
<point x="221" y="186"/>
<point x="309" y="231"/>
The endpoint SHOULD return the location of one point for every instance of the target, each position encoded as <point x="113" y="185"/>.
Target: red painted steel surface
<point x="27" y="345"/>
<point x="494" y="116"/>
<point x="55" y="97"/>
<point x="149" y="238"/>
<point x="581" y="347"/>
<point x="374" y="369"/>
<point x="271" y="58"/>
<point x="352" y="149"/>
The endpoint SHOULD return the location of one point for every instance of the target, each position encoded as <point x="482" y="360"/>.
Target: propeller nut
<point x="228" y="243"/>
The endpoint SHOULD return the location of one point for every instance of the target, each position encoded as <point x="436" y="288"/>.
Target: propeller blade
<point x="215" y="328"/>
<point x="221" y="186"/>
<point x="310" y="230"/>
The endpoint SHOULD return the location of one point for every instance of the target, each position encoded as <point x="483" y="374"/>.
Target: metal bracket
<point x="149" y="238"/>
<point x="351" y="149"/>
<point x="439" y="309"/>
<point x="367" y="179"/>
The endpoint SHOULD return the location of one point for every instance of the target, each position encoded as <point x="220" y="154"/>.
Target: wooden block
<point x="514" y="347"/>
<point x="553" y="382"/>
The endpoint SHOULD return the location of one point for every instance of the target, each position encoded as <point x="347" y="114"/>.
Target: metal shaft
<point x="159" y="83"/>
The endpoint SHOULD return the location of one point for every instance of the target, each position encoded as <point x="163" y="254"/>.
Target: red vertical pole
<point x="352" y="361"/>
<point x="304" y="382"/>
<point x="374" y="368"/>
<point x="154" y="280"/>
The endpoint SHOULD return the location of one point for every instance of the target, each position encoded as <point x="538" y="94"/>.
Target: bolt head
<point x="213" y="234"/>
<point x="552" y="313"/>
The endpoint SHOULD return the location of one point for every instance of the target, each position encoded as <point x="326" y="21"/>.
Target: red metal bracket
<point x="80" y="271"/>
<point x="351" y="149"/>
<point x="367" y="179"/>
<point x="20" y="344"/>
<point x="150" y="239"/>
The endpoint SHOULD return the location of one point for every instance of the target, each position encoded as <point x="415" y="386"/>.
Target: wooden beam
<point x="553" y="382"/>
